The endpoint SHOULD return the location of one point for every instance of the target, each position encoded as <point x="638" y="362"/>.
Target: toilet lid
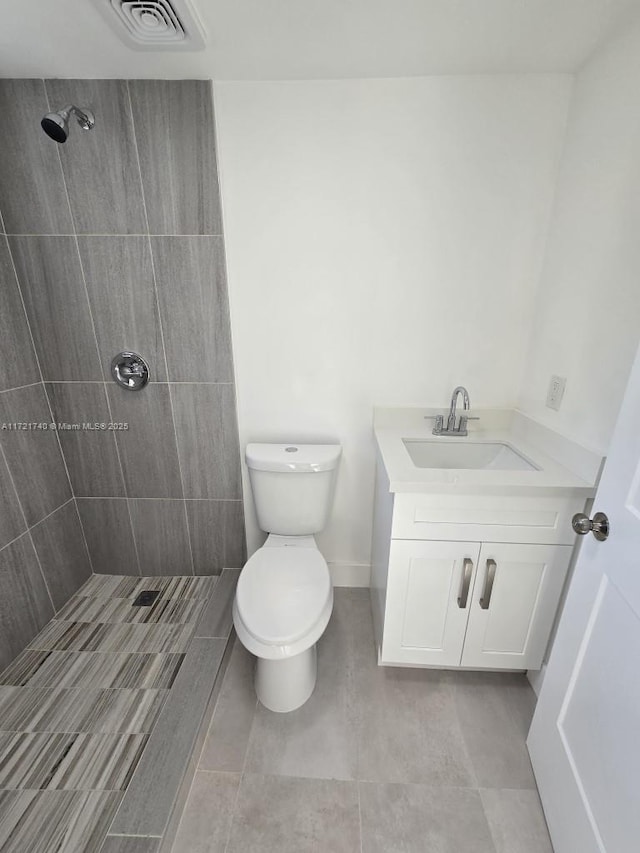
<point x="282" y="593"/>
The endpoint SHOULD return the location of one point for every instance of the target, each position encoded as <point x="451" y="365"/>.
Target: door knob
<point x="598" y="525"/>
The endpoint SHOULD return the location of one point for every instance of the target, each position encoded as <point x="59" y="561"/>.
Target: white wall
<point x="587" y="322"/>
<point x="384" y="243"/>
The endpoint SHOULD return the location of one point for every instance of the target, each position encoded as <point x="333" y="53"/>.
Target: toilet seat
<point x="283" y="593"/>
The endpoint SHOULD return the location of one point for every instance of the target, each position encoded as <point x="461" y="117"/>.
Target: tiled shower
<point x="113" y="242"/>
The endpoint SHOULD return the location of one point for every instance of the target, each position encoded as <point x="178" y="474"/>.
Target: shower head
<point x="56" y="125"/>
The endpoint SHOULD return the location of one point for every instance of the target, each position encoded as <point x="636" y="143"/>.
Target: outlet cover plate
<point x="556" y="392"/>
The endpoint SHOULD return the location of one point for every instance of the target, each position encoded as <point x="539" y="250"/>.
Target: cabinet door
<point x="426" y="607"/>
<point x="513" y="605"/>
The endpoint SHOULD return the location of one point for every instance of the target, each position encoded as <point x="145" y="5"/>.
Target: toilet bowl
<point x="282" y="606"/>
<point x="284" y="596"/>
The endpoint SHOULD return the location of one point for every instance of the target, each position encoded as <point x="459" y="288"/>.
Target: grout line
<point x="20" y="387"/>
<point x="44" y="518"/>
<point x="359" y="812"/>
<point x="87" y="234"/>
<point x="161" y="327"/>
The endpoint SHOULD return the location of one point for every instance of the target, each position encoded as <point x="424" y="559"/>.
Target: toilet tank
<point x="292" y="485"/>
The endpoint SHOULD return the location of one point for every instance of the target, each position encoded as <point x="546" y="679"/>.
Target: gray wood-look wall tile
<point x="107" y="529"/>
<point x="18" y="363"/>
<point x="51" y="280"/>
<point x="31" y="183"/>
<point x="91" y="455"/>
<point x="33" y="455"/>
<point x="25" y="606"/>
<point x="157" y="779"/>
<point x="162" y="537"/>
<point x="62" y="553"/>
<point x="119" y="276"/>
<point x="192" y="290"/>
<point x="217" y="535"/>
<point x="12" y="522"/>
<point x="176" y="141"/>
<point x="100" y="166"/>
<point x="208" y="440"/>
<point x="148" y="448"/>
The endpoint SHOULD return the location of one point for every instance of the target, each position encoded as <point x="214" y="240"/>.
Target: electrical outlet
<point x="556" y="392"/>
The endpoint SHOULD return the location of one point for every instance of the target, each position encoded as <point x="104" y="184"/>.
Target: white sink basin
<point x="456" y="453"/>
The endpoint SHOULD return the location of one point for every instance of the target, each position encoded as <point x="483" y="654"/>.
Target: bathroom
<point x="311" y="224"/>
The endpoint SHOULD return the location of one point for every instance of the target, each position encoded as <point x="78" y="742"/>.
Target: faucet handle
<point x="439" y="419"/>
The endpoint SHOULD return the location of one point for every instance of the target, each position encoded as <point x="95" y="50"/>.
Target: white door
<point x="428" y="600"/>
<point x="513" y="604"/>
<point x="585" y="736"/>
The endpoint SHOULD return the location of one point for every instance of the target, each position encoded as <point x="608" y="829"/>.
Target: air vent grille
<point x="155" y="24"/>
<point x="150" y="21"/>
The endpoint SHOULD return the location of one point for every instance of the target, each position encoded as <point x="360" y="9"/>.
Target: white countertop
<point x="577" y="474"/>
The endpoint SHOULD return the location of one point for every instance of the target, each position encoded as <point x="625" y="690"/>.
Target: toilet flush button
<point x="291" y="450"/>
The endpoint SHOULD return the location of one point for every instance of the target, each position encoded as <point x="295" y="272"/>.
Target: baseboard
<point x="350" y="574"/>
<point x="536" y="677"/>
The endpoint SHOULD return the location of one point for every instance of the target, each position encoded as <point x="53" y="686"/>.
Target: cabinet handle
<point x="467" y="571"/>
<point x="485" y="601"/>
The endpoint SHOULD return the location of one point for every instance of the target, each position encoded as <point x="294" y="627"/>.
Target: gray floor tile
<point x="33" y="456"/>
<point x="33" y="196"/>
<point x="162" y="536"/>
<point x="226" y="743"/>
<point x="40" y="760"/>
<point x="62" y="553"/>
<point x="101" y="169"/>
<point x="18" y="365"/>
<point x="217" y="535"/>
<point x="50" y="276"/>
<point x="320" y="739"/>
<point x="69" y="821"/>
<point x="119" y="276"/>
<point x="96" y="711"/>
<point x="517" y="821"/>
<point x="408" y="729"/>
<point x="206" y="820"/>
<point x="176" y="141"/>
<point x="284" y="815"/>
<point x="91" y="455"/>
<point x="494" y="711"/>
<point x="148" y="802"/>
<point x="195" y="316"/>
<point x="109" y="553"/>
<point x="85" y="637"/>
<point x="419" y="819"/>
<point x="206" y="429"/>
<point x="130" y="844"/>
<point x="25" y="605"/>
<point x="217" y="618"/>
<point x="87" y="669"/>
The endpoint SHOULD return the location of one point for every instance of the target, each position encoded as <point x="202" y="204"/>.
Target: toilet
<point x="284" y="596"/>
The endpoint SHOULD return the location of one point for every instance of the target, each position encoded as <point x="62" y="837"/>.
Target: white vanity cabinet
<point x="470" y="581"/>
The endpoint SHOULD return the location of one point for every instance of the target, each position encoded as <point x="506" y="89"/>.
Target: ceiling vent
<point x="155" y="24"/>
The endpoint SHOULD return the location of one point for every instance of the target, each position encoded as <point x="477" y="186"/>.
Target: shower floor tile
<point x="79" y="762"/>
<point x="166" y="611"/>
<point x="78" y="706"/>
<point x="92" y="669"/>
<point x="47" y="821"/>
<point x="122" y="637"/>
<point x="34" y="709"/>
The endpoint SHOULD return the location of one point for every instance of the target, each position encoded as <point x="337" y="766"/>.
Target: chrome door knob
<point x="599" y="525"/>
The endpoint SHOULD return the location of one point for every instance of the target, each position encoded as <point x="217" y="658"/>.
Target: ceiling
<point x="315" y="39"/>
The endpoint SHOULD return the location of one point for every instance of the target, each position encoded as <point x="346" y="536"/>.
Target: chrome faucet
<point x="452" y="429"/>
